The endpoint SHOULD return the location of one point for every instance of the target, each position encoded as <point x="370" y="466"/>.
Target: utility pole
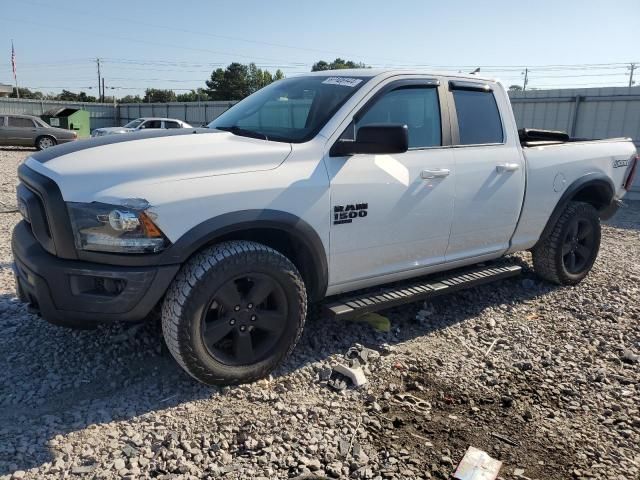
<point x="631" y="69"/>
<point x="103" y="96"/>
<point x="99" y="78"/>
<point x="526" y="79"/>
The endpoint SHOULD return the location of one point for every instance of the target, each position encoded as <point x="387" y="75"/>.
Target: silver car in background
<point x="145" y="123"/>
<point x="31" y="131"/>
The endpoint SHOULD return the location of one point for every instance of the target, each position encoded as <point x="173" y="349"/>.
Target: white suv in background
<point x="145" y="123"/>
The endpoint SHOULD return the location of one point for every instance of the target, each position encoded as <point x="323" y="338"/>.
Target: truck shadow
<point x="18" y="149"/>
<point x="55" y="381"/>
<point x="627" y="216"/>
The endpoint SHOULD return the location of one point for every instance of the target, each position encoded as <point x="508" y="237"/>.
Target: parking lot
<point x="543" y="378"/>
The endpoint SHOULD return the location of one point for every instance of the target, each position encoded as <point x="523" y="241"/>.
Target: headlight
<point x="101" y="227"/>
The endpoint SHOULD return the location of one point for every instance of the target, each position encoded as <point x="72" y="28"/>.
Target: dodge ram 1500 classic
<point x="352" y="187"/>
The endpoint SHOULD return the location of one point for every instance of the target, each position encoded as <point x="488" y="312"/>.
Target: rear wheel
<point x="234" y="312"/>
<point x="44" y="142"/>
<point x="568" y="253"/>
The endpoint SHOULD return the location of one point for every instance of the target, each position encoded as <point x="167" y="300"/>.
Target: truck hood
<point x="86" y="168"/>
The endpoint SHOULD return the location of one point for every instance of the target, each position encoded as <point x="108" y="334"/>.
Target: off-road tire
<point x="547" y="256"/>
<point x="189" y="295"/>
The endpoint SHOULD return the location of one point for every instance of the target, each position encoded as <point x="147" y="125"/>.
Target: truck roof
<point x="389" y="72"/>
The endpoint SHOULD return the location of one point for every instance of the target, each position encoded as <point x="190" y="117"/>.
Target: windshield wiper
<point x="243" y="132"/>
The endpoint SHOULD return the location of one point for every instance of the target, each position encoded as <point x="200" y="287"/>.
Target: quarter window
<point x="20" y="122"/>
<point x="416" y="107"/>
<point x="478" y="117"/>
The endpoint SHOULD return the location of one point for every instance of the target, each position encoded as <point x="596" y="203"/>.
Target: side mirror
<point x="374" y="139"/>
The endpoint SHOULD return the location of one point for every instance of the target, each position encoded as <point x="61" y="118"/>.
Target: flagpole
<point x="13" y="64"/>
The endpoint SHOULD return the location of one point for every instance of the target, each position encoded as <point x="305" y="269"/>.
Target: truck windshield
<point x="290" y="110"/>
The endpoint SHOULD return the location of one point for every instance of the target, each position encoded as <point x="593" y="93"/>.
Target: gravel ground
<point x="545" y="379"/>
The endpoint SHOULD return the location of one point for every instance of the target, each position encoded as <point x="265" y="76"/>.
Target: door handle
<point x="437" y="173"/>
<point x="507" y="167"/>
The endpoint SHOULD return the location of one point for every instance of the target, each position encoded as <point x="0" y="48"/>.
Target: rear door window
<point x="1" y="121"/>
<point x="21" y="122"/>
<point x="168" y="124"/>
<point x="478" y="117"/>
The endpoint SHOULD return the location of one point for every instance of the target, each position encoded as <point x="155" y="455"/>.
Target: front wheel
<point x="234" y="312"/>
<point x="567" y="254"/>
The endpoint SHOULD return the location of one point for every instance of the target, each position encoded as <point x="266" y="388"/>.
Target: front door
<point x="392" y="213"/>
<point x="490" y="172"/>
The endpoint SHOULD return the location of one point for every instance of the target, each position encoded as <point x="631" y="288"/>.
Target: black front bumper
<point x="79" y="293"/>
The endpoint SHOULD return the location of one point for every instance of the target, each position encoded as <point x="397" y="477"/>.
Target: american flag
<point x="13" y="60"/>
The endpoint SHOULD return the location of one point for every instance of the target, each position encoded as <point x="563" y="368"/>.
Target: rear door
<point x="391" y="214"/>
<point x="21" y="131"/>
<point x="490" y="170"/>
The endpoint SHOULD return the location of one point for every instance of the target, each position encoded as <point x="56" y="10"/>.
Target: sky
<point x="176" y="44"/>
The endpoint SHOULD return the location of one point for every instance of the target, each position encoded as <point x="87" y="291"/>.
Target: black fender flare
<point x="209" y="231"/>
<point x="601" y="182"/>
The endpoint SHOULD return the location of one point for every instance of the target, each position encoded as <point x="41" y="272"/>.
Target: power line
<point x="485" y="68"/>
<point x="88" y="87"/>
<point x="134" y="40"/>
<point x="554" y="86"/>
<point x="199" y="32"/>
<point x="532" y="74"/>
<point x="301" y="48"/>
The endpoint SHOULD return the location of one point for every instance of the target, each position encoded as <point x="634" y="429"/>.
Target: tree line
<point x="234" y="82"/>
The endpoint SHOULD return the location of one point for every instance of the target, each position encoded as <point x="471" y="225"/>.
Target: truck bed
<point x="554" y="165"/>
<point x="532" y="137"/>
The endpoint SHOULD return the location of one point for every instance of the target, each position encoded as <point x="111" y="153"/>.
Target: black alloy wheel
<point x="578" y="245"/>
<point x="245" y="319"/>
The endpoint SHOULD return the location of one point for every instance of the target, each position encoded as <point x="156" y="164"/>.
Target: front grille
<point x="36" y="216"/>
<point x="46" y="212"/>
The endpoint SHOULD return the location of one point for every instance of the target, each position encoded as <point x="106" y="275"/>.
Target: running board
<point x="346" y="306"/>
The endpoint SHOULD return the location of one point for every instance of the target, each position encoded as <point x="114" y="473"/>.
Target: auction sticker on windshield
<point x="344" y="81"/>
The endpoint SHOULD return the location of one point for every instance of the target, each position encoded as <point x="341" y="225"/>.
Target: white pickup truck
<point x="357" y="185"/>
